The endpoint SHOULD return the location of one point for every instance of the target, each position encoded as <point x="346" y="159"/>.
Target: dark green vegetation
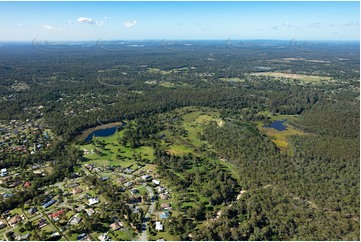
<point x="229" y="180"/>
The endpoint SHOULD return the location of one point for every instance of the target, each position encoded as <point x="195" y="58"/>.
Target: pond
<point x="101" y="133"/>
<point x="278" y="125"/>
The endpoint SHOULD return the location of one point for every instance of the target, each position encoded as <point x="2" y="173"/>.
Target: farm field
<point x="306" y="79"/>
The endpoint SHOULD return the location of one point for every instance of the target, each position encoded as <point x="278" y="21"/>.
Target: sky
<point x="82" y="21"/>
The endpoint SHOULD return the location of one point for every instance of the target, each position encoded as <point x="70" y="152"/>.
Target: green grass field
<point x="113" y="153"/>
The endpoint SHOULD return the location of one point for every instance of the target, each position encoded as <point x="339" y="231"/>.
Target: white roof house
<point x="145" y="177"/>
<point x="93" y="201"/>
<point x="156" y="182"/>
<point x="158" y="226"/>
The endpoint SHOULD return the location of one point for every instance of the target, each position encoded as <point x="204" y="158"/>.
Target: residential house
<point x="71" y="185"/>
<point x="160" y="189"/>
<point x="128" y="170"/>
<point x="146" y="177"/>
<point x="86" y="152"/>
<point x="15" y="184"/>
<point x="23" y="237"/>
<point x="164" y="196"/>
<point x="89" y="166"/>
<point x="164" y="215"/>
<point x="7" y="195"/>
<point x="116" y="225"/>
<point x="3" y="172"/>
<point x="158" y="226"/>
<point x="98" y="169"/>
<point x="136" y="210"/>
<point x="128" y="184"/>
<point x="56" y="234"/>
<point x="104" y="237"/>
<point x="14" y="220"/>
<point x="42" y="223"/>
<point x="75" y="219"/>
<point x="81" y="236"/>
<point x="165" y="206"/>
<point x="121" y="179"/>
<point x="56" y="215"/>
<point x="48" y="204"/>
<point x="156" y="182"/>
<point x="93" y="201"/>
<point x="2" y="224"/>
<point x="89" y="211"/>
<point x="134" y="191"/>
<point x="27" y="184"/>
<point x="33" y="210"/>
<point x="77" y="190"/>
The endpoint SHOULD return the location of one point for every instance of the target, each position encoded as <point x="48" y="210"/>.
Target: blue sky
<point x="25" y="21"/>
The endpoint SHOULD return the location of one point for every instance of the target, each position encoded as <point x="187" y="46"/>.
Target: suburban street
<point x="144" y="236"/>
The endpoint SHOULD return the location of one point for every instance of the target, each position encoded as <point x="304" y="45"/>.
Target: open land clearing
<point x="304" y="78"/>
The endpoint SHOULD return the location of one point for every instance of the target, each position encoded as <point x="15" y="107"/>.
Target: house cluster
<point x="163" y="192"/>
<point x="12" y="180"/>
<point x="23" y="137"/>
<point x="93" y="168"/>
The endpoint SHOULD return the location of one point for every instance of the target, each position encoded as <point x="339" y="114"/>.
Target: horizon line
<point x="185" y="39"/>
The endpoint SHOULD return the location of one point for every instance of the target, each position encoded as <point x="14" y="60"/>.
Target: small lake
<point x="101" y="133"/>
<point x="278" y="125"/>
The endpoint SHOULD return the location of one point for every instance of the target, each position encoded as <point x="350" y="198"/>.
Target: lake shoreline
<point x="84" y="134"/>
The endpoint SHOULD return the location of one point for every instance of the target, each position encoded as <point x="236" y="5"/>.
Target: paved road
<point x="144" y="236"/>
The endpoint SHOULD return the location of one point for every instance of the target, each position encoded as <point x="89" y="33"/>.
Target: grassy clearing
<point x="113" y="153"/>
<point x="304" y="78"/>
<point x="164" y="235"/>
<point x="280" y="138"/>
<point x="164" y="72"/>
<point x="232" y="79"/>
<point x="194" y="121"/>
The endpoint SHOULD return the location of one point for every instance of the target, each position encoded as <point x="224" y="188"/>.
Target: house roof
<point x="57" y="214"/>
<point x="164" y="215"/>
<point x="77" y="190"/>
<point x="93" y="201"/>
<point x="158" y="225"/>
<point x="15" y="219"/>
<point x="116" y="225"/>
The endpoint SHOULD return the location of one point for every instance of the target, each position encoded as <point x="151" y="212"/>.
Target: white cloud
<point x="315" y="25"/>
<point x="288" y="25"/>
<point x="86" y="20"/>
<point x="130" y="24"/>
<point x="48" y="27"/>
<point x="20" y="25"/>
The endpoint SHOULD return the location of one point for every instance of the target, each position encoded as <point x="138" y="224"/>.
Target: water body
<point x="101" y="133"/>
<point x="278" y="125"/>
